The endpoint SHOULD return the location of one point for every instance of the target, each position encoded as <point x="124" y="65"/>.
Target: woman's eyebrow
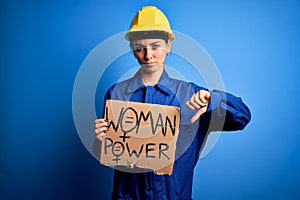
<point x="139" y="45"/>
<point x="153" y="43"/>
<point x="157" y="42"/>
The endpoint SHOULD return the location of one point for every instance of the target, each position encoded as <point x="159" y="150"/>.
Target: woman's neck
<point x="151" y="78"/>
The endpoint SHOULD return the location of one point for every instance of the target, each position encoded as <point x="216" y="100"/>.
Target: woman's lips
<point x="150" y="64"/>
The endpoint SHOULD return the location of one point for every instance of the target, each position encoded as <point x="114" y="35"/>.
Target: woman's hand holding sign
<point x="199" y="101"/>
<point x="101" y="126"/>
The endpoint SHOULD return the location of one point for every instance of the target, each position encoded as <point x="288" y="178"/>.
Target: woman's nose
<point x="148" y="54"/>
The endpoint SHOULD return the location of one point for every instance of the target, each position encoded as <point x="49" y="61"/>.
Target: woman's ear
<point x="169" y="46"/>
<point x="131" y="48"/>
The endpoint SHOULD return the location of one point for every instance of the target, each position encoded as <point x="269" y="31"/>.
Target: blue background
<point x="255" y="45"/>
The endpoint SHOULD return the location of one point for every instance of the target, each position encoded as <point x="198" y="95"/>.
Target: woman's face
<point x="151" y="53"/>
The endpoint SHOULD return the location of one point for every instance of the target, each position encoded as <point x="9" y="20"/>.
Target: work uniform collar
<point x="136" y="83"/>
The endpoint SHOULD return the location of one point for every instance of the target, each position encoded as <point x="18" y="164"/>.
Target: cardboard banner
<point x="140" y="135"/>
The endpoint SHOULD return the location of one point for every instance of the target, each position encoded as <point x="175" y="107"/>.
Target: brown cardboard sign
<point x="140" y="135"/>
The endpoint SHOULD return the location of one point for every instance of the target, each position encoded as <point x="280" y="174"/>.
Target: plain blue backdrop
<point x="255" y="45"/>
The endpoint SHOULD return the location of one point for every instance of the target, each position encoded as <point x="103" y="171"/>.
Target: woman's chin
<point x="151" y="68"/>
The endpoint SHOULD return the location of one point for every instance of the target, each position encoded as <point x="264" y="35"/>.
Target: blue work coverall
<point x="225" y="112"/>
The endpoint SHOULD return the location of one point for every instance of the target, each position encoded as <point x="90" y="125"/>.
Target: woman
<point x="202" y="111"/>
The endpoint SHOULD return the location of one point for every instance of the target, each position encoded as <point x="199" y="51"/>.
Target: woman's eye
<point x="138" y="49"/>
<point x="155" y="46"/>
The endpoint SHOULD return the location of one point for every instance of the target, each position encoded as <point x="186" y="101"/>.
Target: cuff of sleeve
<point x="215" y="101"/>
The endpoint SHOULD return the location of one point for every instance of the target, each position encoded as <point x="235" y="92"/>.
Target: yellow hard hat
<point x="150" y="18"/>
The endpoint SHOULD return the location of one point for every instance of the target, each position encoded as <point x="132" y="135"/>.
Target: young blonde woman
<point x="150" y="38"/>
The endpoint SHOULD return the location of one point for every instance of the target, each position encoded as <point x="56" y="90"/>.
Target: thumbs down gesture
<point x="199" y="101"/>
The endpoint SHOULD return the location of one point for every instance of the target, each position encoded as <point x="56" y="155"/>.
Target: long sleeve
<point x="226" y="112"/>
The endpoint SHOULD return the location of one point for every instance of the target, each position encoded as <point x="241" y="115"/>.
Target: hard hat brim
<point x="133" y="32"/>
